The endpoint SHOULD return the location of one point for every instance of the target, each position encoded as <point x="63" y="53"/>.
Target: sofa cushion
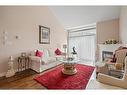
<point x="51" y="59"/>
<point x="48" y="60"/>
<point x="46" y="53"/>
<point x="39" y="53"/>
<point x="58" y="52"/>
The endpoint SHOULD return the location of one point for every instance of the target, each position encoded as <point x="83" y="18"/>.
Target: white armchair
<point x="40" y="64"/>
<point x="114" y="68"/>
<point x="114" y="81"/>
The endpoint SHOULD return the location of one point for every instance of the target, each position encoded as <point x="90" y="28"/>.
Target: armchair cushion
<point x="118" y="66"/>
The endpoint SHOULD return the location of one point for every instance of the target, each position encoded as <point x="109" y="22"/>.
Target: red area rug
<point x="55" y="79"/>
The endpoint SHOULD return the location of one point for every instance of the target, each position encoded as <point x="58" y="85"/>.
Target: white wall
<point x="123" y="25"/>
<point x="23" y="22"/>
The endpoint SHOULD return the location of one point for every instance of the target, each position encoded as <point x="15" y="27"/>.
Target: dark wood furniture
<point x="23" y="63"/>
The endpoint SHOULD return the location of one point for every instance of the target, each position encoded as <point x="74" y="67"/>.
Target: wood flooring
<point x="22" y="80"/>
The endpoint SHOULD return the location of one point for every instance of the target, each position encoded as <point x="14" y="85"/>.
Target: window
<point x="84" y="42"/>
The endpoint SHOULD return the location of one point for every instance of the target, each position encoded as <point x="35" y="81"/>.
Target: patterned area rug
<point x="55" y="79"/>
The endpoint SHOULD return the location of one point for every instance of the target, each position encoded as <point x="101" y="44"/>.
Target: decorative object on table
<point x="74" y="54"/>
<point x="78" y="81"/>
<point x="44" y="35"/>
<point x="111" y="41"/>
<point x="23" y="63"/>
<point x="23" y="54"/>
<point x="10" y="71"/>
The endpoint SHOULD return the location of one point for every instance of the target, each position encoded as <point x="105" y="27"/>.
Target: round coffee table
<point x="69" y="67"/>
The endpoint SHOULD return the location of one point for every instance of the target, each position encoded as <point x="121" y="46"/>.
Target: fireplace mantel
<point x="108" y="48"/>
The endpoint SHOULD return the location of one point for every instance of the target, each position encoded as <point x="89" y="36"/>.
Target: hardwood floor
<point x="22" y="80"/>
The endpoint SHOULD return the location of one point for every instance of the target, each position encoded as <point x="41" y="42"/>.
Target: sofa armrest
<point x="36" y="63"/>
<point x="35" y="58"/>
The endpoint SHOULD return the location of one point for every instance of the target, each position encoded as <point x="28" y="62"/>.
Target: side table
<point x="23" y="63"/>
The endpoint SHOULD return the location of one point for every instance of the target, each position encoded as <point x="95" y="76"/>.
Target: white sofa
<point x="45" y="62"/>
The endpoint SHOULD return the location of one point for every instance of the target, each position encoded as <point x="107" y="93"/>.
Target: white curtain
<point x="84" y="43"/>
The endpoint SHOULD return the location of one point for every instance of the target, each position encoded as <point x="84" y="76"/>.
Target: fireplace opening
<point x="106" y="55"/>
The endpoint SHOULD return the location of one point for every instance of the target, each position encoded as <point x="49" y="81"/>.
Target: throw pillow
<point x="58" y="52"/>
<point x="113" y="59"/>
<point x="118" y="66"/>
<point x="39" y="53"/>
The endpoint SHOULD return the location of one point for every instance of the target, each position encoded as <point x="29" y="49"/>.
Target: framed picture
<point x="44" y="35"/>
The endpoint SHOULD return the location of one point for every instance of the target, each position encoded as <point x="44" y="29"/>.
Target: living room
<point x="30" y="32"/>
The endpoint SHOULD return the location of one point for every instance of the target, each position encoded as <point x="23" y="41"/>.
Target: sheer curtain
<point x="84" y="43"/>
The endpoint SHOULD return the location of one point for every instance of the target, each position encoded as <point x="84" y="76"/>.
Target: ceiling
<point x="73" y="16"/>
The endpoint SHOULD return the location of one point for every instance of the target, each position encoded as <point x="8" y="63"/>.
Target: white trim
<point x="81" y="27"/>
<point x="93" y="77"/>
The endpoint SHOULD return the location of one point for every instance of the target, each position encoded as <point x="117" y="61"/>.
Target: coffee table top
<point x="65" y="61"/>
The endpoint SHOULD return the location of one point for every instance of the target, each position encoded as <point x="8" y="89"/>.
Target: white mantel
<point x="107" y="47"/>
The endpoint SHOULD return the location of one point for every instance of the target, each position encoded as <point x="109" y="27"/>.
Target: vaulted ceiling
<point x="72" y="16"/>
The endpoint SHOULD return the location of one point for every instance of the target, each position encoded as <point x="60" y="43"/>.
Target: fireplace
<point x="106" y="55"/>
<point x="106" y="50"/>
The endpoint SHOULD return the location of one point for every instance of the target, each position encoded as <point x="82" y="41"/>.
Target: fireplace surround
<point x="106" y="55"/>
<point x="107" y="50"/>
